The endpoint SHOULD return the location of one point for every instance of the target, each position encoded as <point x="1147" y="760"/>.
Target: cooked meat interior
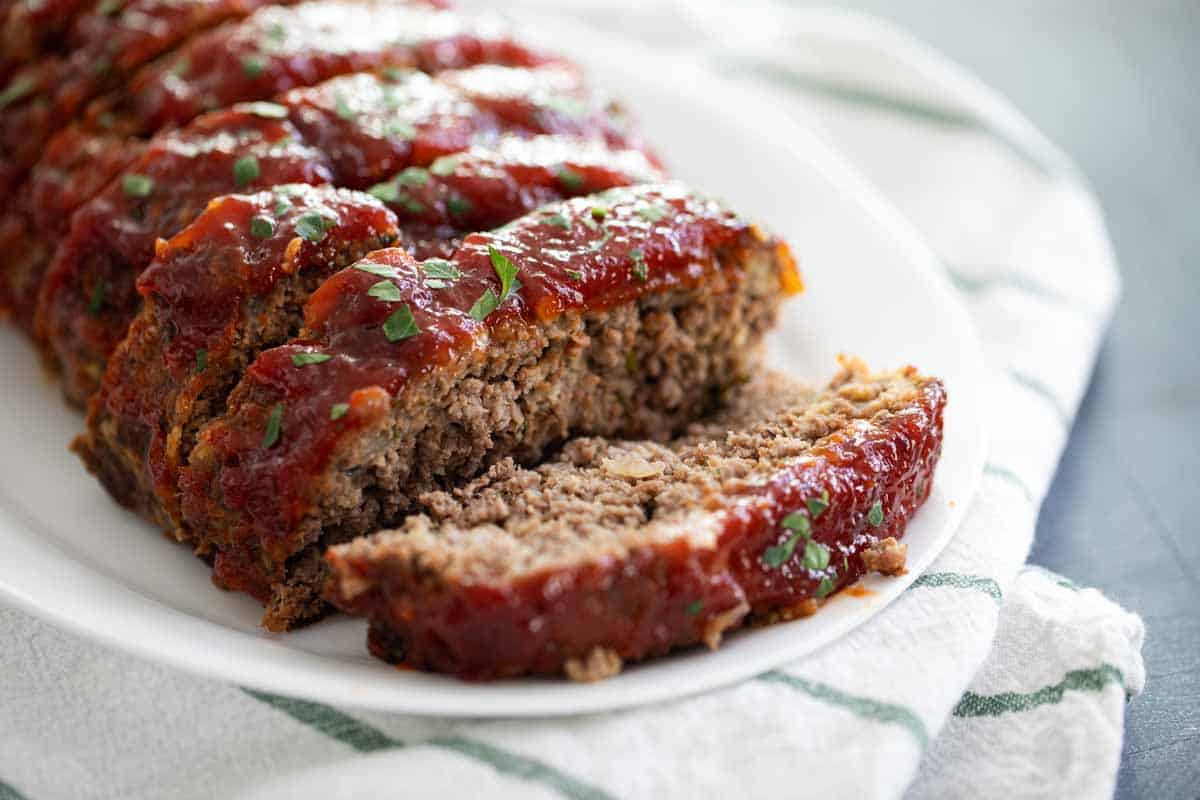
<point x="617" y="550"/>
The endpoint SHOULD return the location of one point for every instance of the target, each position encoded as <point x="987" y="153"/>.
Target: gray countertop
<point x="1117" y="85"/>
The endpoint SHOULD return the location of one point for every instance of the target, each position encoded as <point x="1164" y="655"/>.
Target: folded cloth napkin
<point x="984" y="679"/>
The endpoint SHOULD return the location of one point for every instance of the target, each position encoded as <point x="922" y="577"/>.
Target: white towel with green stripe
<point x="985" y="679"/>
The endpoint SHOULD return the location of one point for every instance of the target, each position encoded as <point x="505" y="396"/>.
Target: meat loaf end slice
<point x="227" y="286"/>
<point x="625" y="313"/>
<point x="617" y="551"/>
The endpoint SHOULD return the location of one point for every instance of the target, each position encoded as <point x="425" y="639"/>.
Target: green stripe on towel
<point x="367" y="739"/>
<point x="975" y="284"/>
<point x="994" y="705"/>
<point x="959" y="580"/>
<point x="1006" y="474"/>
<point x="1043" y="391"/>
<point x="865" y="707"/>
<point x="9" y="793"/>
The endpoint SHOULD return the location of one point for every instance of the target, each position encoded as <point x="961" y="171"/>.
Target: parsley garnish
<point x="245" y="170"/>
<point x="261" y="227"/>
<point x="342" y="107"/>
<point x="485" y="305"/>
<point x="402" y="129"/>
<point x="599" y="213"/>
<point x="201" y="360"/>
<point x="339" y="410"/>
<point x="413" y="176"/>
<point x="457" y="206"/>
<point x="574" y="274"/>
<point x="274" y="423"/>
<point x="444" y="166"/>
<point x="817" y="505"/>
<point x="776" y="555"/>
<point x="440" y="273"/>
<point x="253" y="66"/>
<point x="559" y="221"/>
<point x="798" y="522"/>
<point x="875" y="515"/>
<point x="816" y="556"/>
<point x="386" y="291"/>
<point x="824" y="588"/>
<point x="135" y="185"/>
<point x="569" y="178"/>
<point x="267" y="110"/>
<point x="180" y="68"/>
<point x="651" y="213"/>
<point x="400" y="325"/>
<point x="507" y="272"/>
<point x="96" y="302"/>
<point x="639" y="264"/>
<point x="304" y="359"/>
<point x="409" y="204"/>
<point x="313" y="227"/>
<point x="382" y="270"/>
<point x="693" y="608"/>
<point x="387" y="191"/>
<point x="15" y="91"/>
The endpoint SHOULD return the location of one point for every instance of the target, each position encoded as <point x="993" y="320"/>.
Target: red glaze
<point x="639" y="605"/>
<point x="75" y="166"/>
<point x="28" y="30"/>
<point x="214" y="286"/>
<point x="487" y="186"/>
<point x="265" y="493"/>
<point x="278" y="48"/>
<point x="112" y="237"/>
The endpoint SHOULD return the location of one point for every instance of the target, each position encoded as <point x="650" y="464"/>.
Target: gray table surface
<point x="1116" y="83"/>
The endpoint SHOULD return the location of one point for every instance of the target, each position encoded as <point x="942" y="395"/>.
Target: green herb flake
<point x="382" y="270"/>
<point x="651" y="213"/>
<point x="245" y="171"/>
<point x="135" y="185"/>
<point x="875" y="515"/>
<point x="201" y="359"/>
<point x="639" y="264"/>
<point x="599" y="213"/>
<point x="396" y="74"/>
<point x="17" y="90"/>
<point x="304" y="359"/>
<point x="507" y="272"/>
<point x="776" y="555"/>
<point x="825" y="588"/>
<point x="569" y="178"/>
<point x="559" y="221"/>
<point x="574" y="274"/>
<point x="313" y="227"/>
<point x="444" y="166"/>
<point x="386" y="291"/>
<point x="253" y="66"/>
<point x="457" y="206"/>
<point x="413" y="176"/>
<point x="816" y="556"/>
<point x="107" y="8"/>
<point x="342" y="107"/>
<point x="440" y="273"/>
<point x="262" y="227"/>
<point x="817" y="505"/>
<point x="796" y="521"/>
<point x="589" y="222"/>
<point x="267" y="110"/>
<point x="274" y="423"/>
<point x="485" y="305"/>
<point x="401" y="129"/>
<point x="96" y="301"/>
<point x="693" y="608"/>
<point x="276" y="33"/>
<point x="400" y="324"/>
<point x="387" y="192"/>
<point x="180" y="68"/>
<point x="339" y="410"/>
<point x="410" y="203"/>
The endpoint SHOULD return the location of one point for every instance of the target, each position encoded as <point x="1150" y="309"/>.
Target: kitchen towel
<point x="986" y="678"/>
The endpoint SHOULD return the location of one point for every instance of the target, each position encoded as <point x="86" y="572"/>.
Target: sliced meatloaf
<point x="626" y="313"/>
<point x="229" y="285"/>
<point x="615" y="551"/>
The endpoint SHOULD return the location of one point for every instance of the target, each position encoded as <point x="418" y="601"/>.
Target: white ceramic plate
<point x="74" y="558"/>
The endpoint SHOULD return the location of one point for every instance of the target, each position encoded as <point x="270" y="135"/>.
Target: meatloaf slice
<point x="616" y="550"/>
<point x="229" y="285"/>
<point x="626" y="313"/>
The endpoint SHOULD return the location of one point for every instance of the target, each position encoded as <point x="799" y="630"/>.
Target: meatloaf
<point x="615" y="551"/>
<point x="627" y="313"/>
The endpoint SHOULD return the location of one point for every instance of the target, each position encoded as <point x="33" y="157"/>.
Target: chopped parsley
<point x="400" y="324"/>
<point x="639" y="264"/>
<point x="825" y="588"/>
<point x="444" y="166"/>
<point x="267" y="110"/>
<point x="569" y="178"/>
<point x="485" y="305"/>
<point x="313" y="226"/>
<point x="651" y="213"/>
<point x="693" y="608"/>
<point x="457" y="206"/>
<point x="798" y="522"/>
<point x="440" y="273"/>
<point x="96" y="301"/>
<point x="135" y="185"/>
<point x="17" y="90"/>
<point x="402" y="129"/>
<point x="816" y="556"/>
<point x="413" y="176"/>
<point x="282" y="206"/>
<point x="262" y="227"/>
<point x="253" y="66"/>
<point x="382" y="270"/>
<point x="342" y="107"/>
<point x="507" y="273"/>
<point x="274" y="422"/>
<point x="775" y="555"/>
<point x="339" y="410"/>
<point x="574" y="274"/>
<point x="875" y="515"/>
<point x="817" y="505"/>
<point x="387" y="191"/>
<point x="409" y="203"/>
<point x="559" y="221"/>
<point x="245" y="171"/>
<point x="396" y="74"/>
<point x="589" y="222"/>
<point x="599" y="213"/>
<point x="387" y="291"/>
<point x="304" y="359"/>
<point x="180" y="68"/>
<point x="201" y="359"/>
